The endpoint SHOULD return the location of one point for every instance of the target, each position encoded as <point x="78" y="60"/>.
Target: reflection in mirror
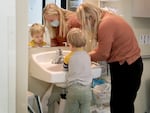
<point x="36" y="15"/>
<point x="59" y="21"/>
<point x="37" y="32"/>
<point x="42" y="36"/>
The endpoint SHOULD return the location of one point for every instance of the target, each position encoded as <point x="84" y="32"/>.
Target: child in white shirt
<point x="79" y="76"/>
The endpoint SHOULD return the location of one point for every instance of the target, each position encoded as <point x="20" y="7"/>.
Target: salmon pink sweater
<point x="116" y="41"/>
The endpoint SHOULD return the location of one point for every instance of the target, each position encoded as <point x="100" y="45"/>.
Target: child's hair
<point x="36" y="28"/>
<point x="76" y="37"/>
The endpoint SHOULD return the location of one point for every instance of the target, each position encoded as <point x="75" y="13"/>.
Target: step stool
<point x="34" y="103"/>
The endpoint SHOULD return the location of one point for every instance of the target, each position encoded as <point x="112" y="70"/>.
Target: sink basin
<point x="42" y="68"/>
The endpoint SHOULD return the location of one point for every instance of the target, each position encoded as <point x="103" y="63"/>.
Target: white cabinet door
<point x="94" y="2"/>
<point x="141" y="8"/>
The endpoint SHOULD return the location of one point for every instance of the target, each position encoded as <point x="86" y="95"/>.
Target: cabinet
<point x="141" y="8"/>
<point x="103" y="3"/>
<point x="108" y="0"/>
<point x="99" y="3"/>
<point x="111" y="5"/>
<point x="94" y="2"/>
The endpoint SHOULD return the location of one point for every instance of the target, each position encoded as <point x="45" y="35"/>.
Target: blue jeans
<point x="78" y="99"/>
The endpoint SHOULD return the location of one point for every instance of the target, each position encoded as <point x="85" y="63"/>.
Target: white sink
<point x="41" y="67"/>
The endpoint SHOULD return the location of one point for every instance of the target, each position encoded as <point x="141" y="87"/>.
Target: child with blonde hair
<point x="37" y="33"/>
<point x="79" y="76"/>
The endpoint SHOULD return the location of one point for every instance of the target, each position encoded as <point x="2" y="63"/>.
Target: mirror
<point x="38" y="88"/>
<point x="35" y="16"/>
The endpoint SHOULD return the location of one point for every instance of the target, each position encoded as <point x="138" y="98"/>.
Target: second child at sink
<point x="79" y="78"/>
<point x="37" y="33"/>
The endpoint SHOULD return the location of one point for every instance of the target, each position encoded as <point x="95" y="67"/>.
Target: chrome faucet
<point x="59" y="59"/>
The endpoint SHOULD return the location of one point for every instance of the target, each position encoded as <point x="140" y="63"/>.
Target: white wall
<point x="13" y="57"/>
<point x="34" y="11"/>
<point x="94" y="2"/>
<point x="8" y="57"/>
<point x="50" y="1"/>
<point x="21" y="55"/>
<point x="142" y="103"/>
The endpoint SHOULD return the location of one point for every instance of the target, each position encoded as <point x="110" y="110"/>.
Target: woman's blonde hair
<point x="90" y="17"/>
<point x="36" y="28"/>
<point x="53" y="9"/>
<point x="76" y="37"/>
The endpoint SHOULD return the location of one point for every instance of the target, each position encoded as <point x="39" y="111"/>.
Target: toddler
<point x="79" y="76"/>
<point x="37" y="33"/>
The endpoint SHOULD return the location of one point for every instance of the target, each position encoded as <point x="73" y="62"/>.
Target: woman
<point x="116" y="44"/>
<point x="58" y="22"/>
